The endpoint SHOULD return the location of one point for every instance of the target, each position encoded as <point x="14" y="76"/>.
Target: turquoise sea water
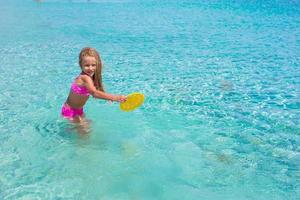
<point x="221" y="118"/>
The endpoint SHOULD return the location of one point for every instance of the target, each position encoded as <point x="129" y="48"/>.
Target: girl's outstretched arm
<point x="88" y="82"/>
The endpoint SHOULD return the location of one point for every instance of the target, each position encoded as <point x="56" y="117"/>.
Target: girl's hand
<point x="120" y="98"/>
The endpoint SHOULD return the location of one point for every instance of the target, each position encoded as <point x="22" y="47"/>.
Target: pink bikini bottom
<point x="69" y="112"/>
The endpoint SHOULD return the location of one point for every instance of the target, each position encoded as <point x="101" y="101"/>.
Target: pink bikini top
<point x="79" y="89"/>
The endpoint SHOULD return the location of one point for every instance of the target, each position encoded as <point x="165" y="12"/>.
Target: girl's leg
<point x="83" y="126"/>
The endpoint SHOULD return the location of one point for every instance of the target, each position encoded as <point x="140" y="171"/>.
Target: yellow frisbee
<point x="133" y="101"/>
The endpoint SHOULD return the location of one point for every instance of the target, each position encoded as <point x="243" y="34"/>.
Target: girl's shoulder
<point x="81" y="79"/>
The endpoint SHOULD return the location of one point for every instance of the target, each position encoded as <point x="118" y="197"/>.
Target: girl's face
<point x="88" y="65"/>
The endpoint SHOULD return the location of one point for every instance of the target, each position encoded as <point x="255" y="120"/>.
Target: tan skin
<point x="88" y="67"/>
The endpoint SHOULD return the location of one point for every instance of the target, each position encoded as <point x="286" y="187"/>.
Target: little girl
<point x="89" y="82"/>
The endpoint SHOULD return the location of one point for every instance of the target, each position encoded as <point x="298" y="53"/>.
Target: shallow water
<point x="222" y="110"/>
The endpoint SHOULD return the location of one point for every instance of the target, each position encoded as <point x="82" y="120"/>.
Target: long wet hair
<point x="97" y="77"/>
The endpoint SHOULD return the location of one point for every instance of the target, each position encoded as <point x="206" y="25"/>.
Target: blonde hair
<point x="97" y="77"/>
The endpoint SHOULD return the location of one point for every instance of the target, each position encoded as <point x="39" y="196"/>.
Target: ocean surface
<point x="221" y="119"/>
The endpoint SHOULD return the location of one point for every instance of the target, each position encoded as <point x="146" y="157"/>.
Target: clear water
<point x="222" y="111"/>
